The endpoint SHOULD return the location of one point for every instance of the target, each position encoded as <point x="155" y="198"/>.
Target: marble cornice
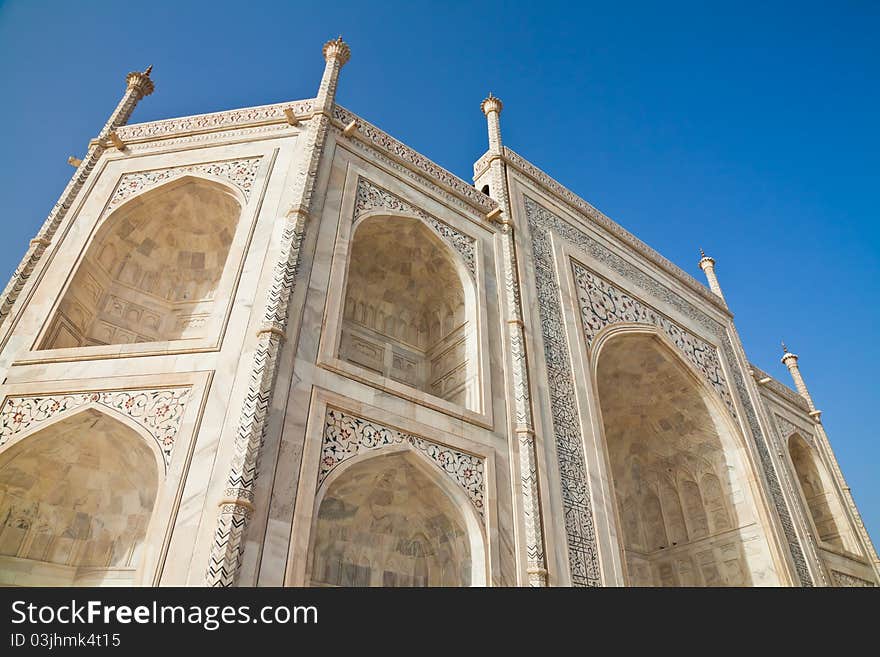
<point x="584" y="209"/>
<point x="399" y="152"/>
<point x="215" y="121"/>
<point x="779" y="388"/>
<point x="267" y="115"/>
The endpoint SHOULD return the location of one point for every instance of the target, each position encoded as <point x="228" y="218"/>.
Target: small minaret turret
<point x="707" y="264"/>
<point x="790" y="360"/>
<point x="491" y="107"/>
<point x="138" y="85"/>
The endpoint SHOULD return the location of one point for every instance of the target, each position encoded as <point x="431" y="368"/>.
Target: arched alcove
<point x="75" y="501"/>
<point x="410" y="311"/>
<point x="687" y="517"/>
<point x="824" y="508"/>
<point x="385" y="521"/>
<point x="152" y="270"/>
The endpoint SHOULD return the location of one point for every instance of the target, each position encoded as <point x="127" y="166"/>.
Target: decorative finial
<point x="337" y="49"/>
<point x="140" y="81"/>
<point x="788" y="359"/>
<point x="706" y="261"/>
<point x="491" y="104"/>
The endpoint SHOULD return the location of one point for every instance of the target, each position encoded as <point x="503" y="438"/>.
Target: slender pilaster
<point x="525" y="425"/>
<point x="237" y="505"/>
<point x="138" y="85"/>
<point x="707" y="264"/>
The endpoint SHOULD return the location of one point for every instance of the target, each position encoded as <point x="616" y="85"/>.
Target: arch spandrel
<point x="347" y="438"/>
<point x="373" y="200"/>
<point x="156" y="413"/>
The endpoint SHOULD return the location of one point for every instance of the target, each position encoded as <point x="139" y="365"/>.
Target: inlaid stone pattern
<point x="845" y="579"/>
<point x="159" y="411"/>
<point x="577" y="507"/>
<point x="240" y="173"/>
<point x="580" y="530"/>
<point x="346" y="436"/>
<point x="602" y="304"/>
<point x="372" y="197"/>
<point x="763" y="445"/>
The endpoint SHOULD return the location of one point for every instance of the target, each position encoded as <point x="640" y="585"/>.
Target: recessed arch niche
<point x="680" y="485"/>
<point x="76" y="498"/>
<point x="152" y="270"/>
<point x="824" y="507"/>
<point x="387" y="520"/>
<point x="410" y="310"/>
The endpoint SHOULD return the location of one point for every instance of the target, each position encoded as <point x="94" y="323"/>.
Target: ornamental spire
<point x="707" y="264"/>
<point x="338" y="50"/>
<point x="790" y="360"/>
<point x="491" y="107"/>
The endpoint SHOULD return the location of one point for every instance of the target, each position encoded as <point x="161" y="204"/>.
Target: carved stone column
<point x="138" y="85"/>
<point x="525" y="426"/>
<point x="237" y="506"/>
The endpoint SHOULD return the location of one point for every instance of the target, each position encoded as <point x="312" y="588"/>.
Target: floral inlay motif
<point x="601" y="304"/>
<point x="157" y="411"/>
<point x="347" y="435"/>
<point x="371" y="197"/>
<point x="240" y="173"/>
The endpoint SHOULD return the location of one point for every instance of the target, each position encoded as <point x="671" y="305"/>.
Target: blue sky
<point x="749" y="129"/>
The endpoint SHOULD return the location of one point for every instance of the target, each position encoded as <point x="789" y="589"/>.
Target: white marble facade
<point x="276" y="346"/>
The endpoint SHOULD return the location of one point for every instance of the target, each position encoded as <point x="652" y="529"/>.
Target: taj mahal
<point x="275" y="346"/>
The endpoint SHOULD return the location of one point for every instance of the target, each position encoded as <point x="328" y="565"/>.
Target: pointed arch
<point x="152" y="268"/>
<point x="76" y="500"/>
<point x="394" y="506"/>
<point x="817" y="491"/>
<point x="654" y="404"/>
<point x="410" y="308"/>
<point x="149" y="439"/>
